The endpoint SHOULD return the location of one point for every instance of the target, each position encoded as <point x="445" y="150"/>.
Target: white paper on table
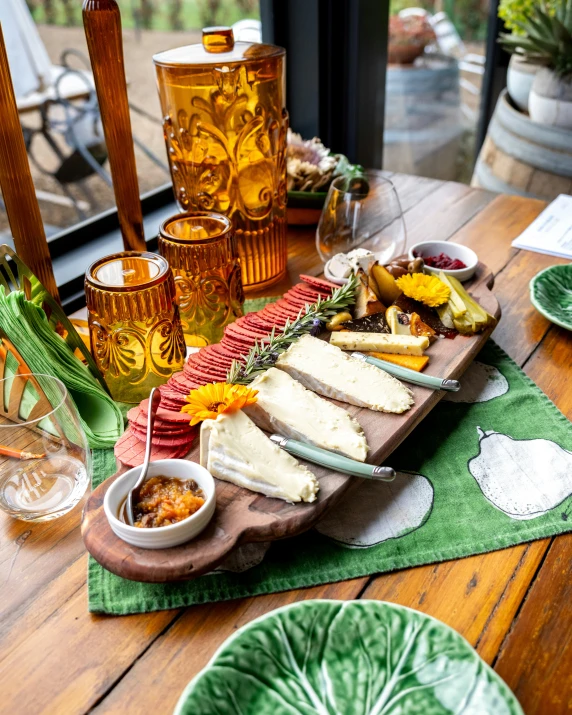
<point x="551" y="232"/>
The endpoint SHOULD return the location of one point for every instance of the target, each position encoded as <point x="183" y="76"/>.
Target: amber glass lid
<point x="218" y="47"/>
<point x="198" y="227"/>
<point x="127" y="271"/>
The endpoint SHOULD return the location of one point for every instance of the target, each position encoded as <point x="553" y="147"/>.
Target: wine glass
<point x="45" y="462"/>
<point x="361" y="214"/>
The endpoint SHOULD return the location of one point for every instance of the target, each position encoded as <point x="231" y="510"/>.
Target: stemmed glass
<point x="361" y="214"/>
<point x="45" y="462"/>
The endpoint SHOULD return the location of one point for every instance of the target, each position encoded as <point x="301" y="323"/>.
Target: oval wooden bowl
<point x="241" y="516"/>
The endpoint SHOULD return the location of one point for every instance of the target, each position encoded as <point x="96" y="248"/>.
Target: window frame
<point x="75" y="248"/>
<point x="336" y="54"/>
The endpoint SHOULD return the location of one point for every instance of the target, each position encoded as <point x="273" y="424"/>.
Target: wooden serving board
<point x="242" y="516"/>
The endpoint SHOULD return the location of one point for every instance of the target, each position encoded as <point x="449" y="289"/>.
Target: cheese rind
<point x="285" y="406"/>
<point x="380" y="342"/>
<point x="235" y="450"/>
<point x="327" y="370"/>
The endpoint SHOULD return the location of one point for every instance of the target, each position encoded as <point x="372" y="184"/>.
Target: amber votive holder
<point x="134" y="325"/>
<point x="201" y="250"/>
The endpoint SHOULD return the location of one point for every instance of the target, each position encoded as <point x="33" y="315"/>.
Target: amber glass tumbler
<point x="201" y="250"/>
<point x="134" y="325"/>
<point x="225" y="128"/>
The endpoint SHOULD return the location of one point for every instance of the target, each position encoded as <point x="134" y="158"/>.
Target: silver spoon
<point x="154" y="400"/>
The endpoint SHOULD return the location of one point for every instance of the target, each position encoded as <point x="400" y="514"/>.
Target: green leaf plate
<point x="551" y="294"/>
<point x="346" y="658"/>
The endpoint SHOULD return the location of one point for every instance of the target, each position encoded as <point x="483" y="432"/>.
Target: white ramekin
<point x="454" y="250"/>
<point x="162" y="537"/>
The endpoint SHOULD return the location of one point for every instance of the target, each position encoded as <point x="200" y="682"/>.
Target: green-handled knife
<point x="332" y="460"/>
<point x="416" y="378"/>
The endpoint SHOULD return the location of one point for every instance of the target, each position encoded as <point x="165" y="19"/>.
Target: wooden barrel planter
<point x="423" y="124"/>
<point x="522" y="157"/>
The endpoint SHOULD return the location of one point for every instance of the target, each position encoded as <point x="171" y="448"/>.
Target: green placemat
<point x="490" y="468"/>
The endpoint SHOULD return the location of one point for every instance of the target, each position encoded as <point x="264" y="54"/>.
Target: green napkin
<point x="44" y="351"/>
<point x="253" y="305"/>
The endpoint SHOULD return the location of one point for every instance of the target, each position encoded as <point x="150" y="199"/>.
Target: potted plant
<point x="408" y="38"/>
<point x="521" y="71"/>
<point x="547" y="41"/>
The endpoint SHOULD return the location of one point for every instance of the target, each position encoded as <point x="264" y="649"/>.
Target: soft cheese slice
<point x="326" y="369"/>
<point x="285" y="406"/>
<point x="235" y="450"/>
<point x="380" y="342"/>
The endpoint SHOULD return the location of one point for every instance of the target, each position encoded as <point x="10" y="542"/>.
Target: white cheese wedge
<point x="361" y="258"/>
<point x="285" y="406"/>
<point x="235" y="450"/>
<point x="380" y="342"/>
<point x="327" y="370"/>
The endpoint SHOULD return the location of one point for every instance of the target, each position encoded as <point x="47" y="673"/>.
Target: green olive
<point x="416" y="265"/>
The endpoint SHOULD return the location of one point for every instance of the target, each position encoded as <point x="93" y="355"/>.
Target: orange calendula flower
<point x="209" y="401"/>
<point x="426" y="289"/>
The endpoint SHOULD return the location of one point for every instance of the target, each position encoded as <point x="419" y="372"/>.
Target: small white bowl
<point x="454" y="250"/>
<point x="161" y="537"/>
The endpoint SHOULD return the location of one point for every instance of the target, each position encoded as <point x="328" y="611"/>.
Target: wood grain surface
<point x="513" y="605"/>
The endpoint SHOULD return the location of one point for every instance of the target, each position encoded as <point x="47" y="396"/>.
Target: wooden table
<point x="513" y="606"/>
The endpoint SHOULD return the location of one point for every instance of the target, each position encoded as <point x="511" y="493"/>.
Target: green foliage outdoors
<point x="152" y="14"/>
<point x="470" y="17"/>
<point x="545" y="37"/>
<point x="514" y="12"/>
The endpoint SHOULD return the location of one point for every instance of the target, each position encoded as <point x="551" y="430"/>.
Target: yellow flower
<point x="426" y="289"/>
<point x="209" y="401"/>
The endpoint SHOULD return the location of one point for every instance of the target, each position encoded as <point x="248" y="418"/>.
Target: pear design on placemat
<point x="377" y="511"/>
<point x="522" y="478"/>
<point x="480" y="383"/>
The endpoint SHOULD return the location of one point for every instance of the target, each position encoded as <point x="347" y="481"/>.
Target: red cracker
<point x="166" y="415"/>
<point x="320" y="283"/>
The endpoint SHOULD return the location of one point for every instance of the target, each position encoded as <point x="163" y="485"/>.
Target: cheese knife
<point x="332" y="460"/>
<point x="416" y="378"/>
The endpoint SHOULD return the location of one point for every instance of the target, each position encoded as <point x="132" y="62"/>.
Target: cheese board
<point x="242" y="516"/>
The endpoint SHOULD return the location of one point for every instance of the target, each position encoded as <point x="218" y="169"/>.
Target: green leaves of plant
<point x="545" y="37"/>
<point x="347" y="658"/>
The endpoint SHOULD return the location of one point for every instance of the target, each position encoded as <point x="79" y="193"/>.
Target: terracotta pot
<point x="403" y="54"/>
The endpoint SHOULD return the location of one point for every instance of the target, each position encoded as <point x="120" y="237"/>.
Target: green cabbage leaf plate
<point x="551" y="294"/>
<point x="347" y="658"/>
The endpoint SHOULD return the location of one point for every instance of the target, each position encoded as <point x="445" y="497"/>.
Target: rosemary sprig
<point x="264" y="354"/>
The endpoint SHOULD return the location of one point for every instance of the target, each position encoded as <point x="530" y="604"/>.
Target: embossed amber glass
<point x="134" y="325"/>
<point x="201" y="250"/>
<point x="225" y="129"/>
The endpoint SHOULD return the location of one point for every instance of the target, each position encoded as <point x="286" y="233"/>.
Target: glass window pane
<point x="49" y="60"/>
<point x="436" y="61"/>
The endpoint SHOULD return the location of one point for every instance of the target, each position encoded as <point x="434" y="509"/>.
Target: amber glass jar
<point x="134" y="325"/>
<point x="201" y="250"/>
<point x="225" y="128"/>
